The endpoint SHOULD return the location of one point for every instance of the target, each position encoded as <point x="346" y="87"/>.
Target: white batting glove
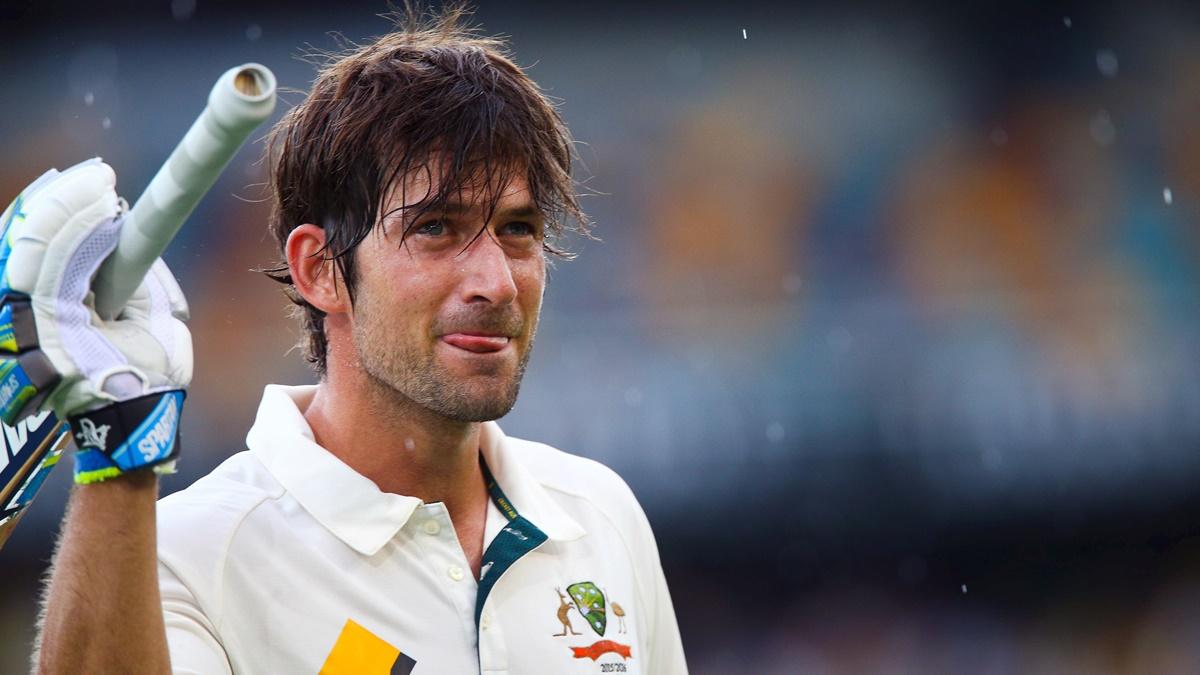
<point x="120" y="383"/>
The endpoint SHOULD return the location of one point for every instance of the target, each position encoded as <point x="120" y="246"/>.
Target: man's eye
<point x="521" y="229"/>
<point x="430" y="228"/>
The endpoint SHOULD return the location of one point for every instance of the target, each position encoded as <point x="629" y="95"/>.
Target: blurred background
<point x="894" y="327"/>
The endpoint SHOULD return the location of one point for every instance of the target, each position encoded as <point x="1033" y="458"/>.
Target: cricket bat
<point x="242" y="98"/>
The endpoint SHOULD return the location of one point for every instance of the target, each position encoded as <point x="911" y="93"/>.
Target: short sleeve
<point x="665" y="644"/>
<point x="191" y="637"/>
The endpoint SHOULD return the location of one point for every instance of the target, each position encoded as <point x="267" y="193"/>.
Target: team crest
<point x="590" y="603"/>
<point x="587" y="599"/>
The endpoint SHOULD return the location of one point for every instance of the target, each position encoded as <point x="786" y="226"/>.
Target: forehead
<point x="431" y="188"/>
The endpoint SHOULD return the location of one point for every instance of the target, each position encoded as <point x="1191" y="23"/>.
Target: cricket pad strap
<point x="127" y="436"/>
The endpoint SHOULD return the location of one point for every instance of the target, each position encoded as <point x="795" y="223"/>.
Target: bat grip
<point x="241" y="99"/>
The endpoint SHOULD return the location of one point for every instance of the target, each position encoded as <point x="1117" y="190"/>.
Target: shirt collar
<point x="345" y="502"/>
<point x="349" y="504"/>
<point x="523" y="489"/>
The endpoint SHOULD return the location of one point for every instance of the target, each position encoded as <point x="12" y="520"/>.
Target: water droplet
<point x="1106" y="61"/>
<point x="1167" y="196"/>
<point x="964" y="588"/>
<point x="89" y="98"/>
<point x="1102" y="129"/>
<point x="183" y="10"/>
<point x="253" y="32"/>
<point x="106" y="123"/>
<point x="1067" y="21"/>
<point x="775" y="432"/>
<point x="744" y="34"/>
<point x="409" y="444"/>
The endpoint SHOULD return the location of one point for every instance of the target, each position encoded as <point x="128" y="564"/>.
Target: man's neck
<point x="402" y="447"/>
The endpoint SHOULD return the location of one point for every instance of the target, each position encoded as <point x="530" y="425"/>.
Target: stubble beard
<point x="402" y="369"/>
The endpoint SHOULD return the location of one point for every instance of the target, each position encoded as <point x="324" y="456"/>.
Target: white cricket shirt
<point x="284" y="560"/>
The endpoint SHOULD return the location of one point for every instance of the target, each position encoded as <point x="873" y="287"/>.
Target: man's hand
<point x="121" y="382"/>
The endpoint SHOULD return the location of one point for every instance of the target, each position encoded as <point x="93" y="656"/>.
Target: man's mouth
<point x="478" y="343"/>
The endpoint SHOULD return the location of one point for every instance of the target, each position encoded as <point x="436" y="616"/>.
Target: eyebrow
<point x="523" y="211"/>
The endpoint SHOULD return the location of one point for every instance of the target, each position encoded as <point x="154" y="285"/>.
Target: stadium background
<point x="893" y="330"/>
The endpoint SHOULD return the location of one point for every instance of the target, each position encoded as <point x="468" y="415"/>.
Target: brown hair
<point x="433" y="94"/>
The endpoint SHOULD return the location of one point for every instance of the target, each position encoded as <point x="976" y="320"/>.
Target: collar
<point x="349" y="504"/>
<point x="525" y="492"/>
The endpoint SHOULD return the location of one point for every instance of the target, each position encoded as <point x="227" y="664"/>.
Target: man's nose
<point x="488" y="272"/>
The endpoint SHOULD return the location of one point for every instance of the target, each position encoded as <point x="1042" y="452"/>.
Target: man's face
<point x="447" y="318"/>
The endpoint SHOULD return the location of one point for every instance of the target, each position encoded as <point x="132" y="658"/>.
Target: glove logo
<point x="91" y="436"/>
<point x="157" y="442"/>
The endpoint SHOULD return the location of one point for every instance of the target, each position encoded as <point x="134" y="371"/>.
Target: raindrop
<point x="964" y="589"/>
<point x="106" y="123"/>
<point x="183" y="10"/>
<point x="409" y="444"/>
<point x="1106" y="61"/>
<point x="775" y="432"/>
<point x="744" y="34"/>
<point x="1167" y="196"/>
<point x="1102" y="129"/>
<point x="1067" y="21"/>
<point x="89" y="98"/>
<point x="999" y="137"/>
<point x="253" y="32"/>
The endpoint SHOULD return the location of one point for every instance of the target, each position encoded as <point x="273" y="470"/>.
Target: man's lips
<point x="479" y="343"/>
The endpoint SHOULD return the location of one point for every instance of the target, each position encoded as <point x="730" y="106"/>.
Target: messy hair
<point x="434" y="96"/>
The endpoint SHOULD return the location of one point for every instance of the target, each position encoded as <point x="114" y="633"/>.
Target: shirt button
<point x="485" y="620"/>
<point x="432" y="527"/>
<point x="455" y="572"/>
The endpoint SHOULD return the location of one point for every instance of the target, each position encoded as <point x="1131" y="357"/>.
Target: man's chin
<point x="475" y="411"/>
<point x="477" y="399"/>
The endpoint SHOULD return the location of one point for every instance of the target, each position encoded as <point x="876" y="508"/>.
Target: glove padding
<point x="120" y="382"/>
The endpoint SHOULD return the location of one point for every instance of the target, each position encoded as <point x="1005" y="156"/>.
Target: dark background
<point x="893" y="329"/>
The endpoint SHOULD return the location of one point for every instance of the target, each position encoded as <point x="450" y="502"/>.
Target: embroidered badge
<point x="587" y="598"/>
<point x="590" y="603"/>
<point x="564" y="615"/>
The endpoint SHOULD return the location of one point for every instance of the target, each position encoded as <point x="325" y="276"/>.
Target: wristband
<point x="126" y="436"/>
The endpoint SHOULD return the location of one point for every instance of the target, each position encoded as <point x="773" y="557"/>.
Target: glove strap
<point x="127" y="436"/>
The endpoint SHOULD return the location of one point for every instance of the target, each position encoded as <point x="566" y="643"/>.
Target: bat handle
<point x="242" y="99"/>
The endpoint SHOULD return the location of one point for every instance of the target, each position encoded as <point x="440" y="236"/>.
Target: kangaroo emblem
<point x="564" y="616"/>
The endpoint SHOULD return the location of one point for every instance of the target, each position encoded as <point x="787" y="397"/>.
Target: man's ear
<point x="315" y="276"/>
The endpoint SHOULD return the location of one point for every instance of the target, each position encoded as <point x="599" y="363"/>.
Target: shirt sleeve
<point x="666" y="654"/>
<point x="665" y="644"/>
<point x="191" y="637"/>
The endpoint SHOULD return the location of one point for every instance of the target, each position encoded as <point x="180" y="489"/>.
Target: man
<point x="379" y="522"/>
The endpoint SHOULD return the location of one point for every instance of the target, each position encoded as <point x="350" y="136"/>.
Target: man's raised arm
<point x="102" y="611"/>
<point x="120" y="383"/>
